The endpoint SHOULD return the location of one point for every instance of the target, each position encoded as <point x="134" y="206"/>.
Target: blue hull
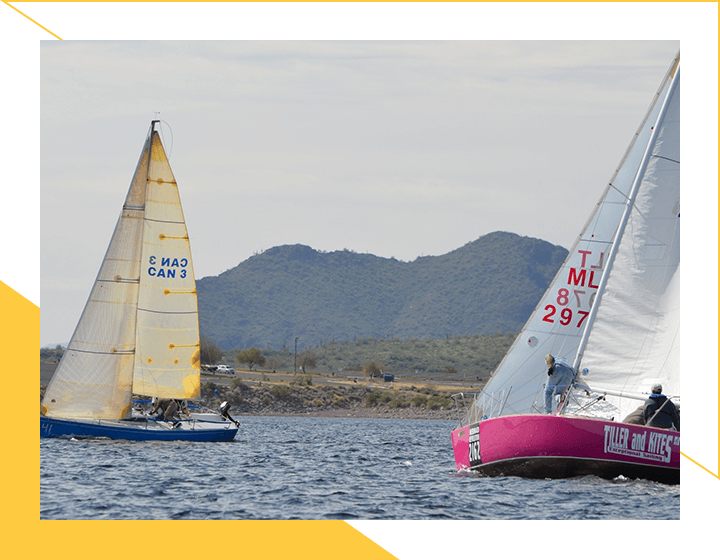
<point x="134" y="431"/>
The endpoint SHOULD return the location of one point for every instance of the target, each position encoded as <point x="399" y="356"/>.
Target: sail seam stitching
<point x="116" y="353"/>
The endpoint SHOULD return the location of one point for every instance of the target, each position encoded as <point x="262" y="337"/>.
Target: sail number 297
<point x="567" y="309"/>
<point x="565" y="315"/>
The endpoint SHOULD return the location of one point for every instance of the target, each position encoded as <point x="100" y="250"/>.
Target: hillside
<point x="454" y="358"/>
<point x="489" y="285"/>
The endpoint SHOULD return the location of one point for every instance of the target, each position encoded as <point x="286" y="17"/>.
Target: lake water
<point x="318" y="468"/>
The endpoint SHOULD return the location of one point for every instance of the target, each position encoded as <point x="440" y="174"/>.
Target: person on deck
<point x="560" y="376"/>
<point x="159" y="405"/>
<point x="167" y="408"/>
<point x="636" y="417"/>
<point x="659" y="411"/>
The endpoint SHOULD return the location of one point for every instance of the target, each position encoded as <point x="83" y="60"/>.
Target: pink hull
<point x="545" y="446"/>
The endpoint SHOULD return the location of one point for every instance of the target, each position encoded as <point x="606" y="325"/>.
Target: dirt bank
<point x="313" y="397"/>
<point x="357" y="401"/>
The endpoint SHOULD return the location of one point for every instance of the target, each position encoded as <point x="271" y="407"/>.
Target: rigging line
<point x="668" y="159"/>
<point x="626" y="196"/>
<point x="172" y="136"/>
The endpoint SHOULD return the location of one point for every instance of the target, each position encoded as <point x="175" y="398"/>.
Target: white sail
<point x="635" y="339"/>
<point x="557" y="324"/>
<point x="94" y="377"/>
<point x="131" y="337"/>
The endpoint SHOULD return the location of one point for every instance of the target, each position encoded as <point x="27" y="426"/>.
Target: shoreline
<point x="318" y="397"/>
<point x="309" y="399"/>
<point x="360" y="412"/>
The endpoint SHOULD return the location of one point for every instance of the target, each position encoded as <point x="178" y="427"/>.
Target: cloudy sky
<point x="394" y="148"/>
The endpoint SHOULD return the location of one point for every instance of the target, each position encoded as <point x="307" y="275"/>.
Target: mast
<point x="150" y="133"/>
<point x="149" y="148"/>
<point x="626" y="214"/>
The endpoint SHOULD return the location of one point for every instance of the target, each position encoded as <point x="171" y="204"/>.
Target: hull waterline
<point x="546" y="446"/>
<point x="137" y="430"/>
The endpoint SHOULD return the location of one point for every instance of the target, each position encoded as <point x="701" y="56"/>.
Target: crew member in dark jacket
<point x="659" y="411"/>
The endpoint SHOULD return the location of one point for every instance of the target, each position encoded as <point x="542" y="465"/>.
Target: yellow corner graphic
<point x="716" y="475"/>
<point x="31" y="19"/>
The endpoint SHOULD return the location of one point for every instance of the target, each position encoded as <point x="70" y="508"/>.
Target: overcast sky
<point x="399" y="149"/>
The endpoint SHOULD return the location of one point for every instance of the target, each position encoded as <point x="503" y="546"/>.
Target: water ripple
<point x="318" y="468"/>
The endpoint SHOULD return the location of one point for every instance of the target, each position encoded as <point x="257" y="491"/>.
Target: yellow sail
<point x="139" y="331"/>
<point x="167" y="355"/>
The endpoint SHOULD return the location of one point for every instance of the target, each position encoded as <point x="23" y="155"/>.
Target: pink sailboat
<point x="613" y="312"/>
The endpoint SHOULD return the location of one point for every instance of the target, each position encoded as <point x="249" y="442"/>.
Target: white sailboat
<point x="138" y="333"/>
<point x="613" y="313"/>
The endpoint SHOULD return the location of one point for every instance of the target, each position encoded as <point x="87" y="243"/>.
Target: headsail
<point x="557" y="324"/>
<point x="167" y="356"/>
<point x="108" y="353"/>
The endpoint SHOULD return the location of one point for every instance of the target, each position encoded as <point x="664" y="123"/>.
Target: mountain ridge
<point x="488" y="285"/>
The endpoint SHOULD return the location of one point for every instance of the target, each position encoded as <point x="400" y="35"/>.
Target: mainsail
<point x="558" y="322"/>
<point x="635" y="338"/>
<point x="139" y="330"/>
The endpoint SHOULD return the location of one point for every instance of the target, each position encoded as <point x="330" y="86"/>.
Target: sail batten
<point x="169" y="312"/>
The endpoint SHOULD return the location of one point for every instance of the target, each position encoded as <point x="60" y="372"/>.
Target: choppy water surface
<point x="318" y="468"/>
